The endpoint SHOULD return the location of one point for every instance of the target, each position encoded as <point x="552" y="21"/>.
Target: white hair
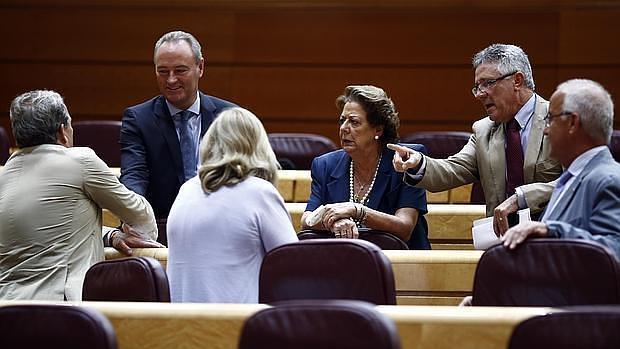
<point x="592" y="103"/>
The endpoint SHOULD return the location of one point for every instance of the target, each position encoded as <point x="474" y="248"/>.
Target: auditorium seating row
<point x="294" y="186"/>
<point x="449" y="225"/>
<point x="189" y="326"/>
<point x="421" y="277"/>
<point x="349" y="324"/>
<point x="541" y="272"/>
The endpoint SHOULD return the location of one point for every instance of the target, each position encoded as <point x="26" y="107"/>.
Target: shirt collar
<point x="525" y="113"/>
<point x="582" y="160"/>
<point x="194" y="108"/>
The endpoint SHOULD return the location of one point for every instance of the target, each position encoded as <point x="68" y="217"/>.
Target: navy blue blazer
<point x="151" y="162"/>
<point x="330" y="184"/>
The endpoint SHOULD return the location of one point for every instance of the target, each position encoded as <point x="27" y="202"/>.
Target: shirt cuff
<point x="520" y="198"/>
<point x="416" y="173"/>
<point x="107" y="242"/>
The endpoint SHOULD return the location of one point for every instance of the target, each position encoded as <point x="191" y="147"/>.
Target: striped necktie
<point x="187" y="143"/>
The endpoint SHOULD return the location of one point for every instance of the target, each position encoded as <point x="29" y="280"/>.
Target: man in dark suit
<point x="159" y="138"/>
<point x="585" y="201"/>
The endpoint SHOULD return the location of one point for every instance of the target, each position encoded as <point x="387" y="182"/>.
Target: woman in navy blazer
<point x="357" y="185"/>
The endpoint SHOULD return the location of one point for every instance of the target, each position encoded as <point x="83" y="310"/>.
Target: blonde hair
<point x="235" y="146"/>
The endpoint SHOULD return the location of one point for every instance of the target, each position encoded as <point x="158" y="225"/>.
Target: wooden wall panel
<point x="589" y="37"/>
<point x="386" y="37"/>
<point x="288" y="60"/>
<point x="124" y="36"/>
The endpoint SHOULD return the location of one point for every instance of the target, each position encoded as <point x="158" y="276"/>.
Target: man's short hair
<point x="176" y="36"/>
<point x="509" y="58"/>
<point x="36" y="117"/>
<point x="592" y="103"/>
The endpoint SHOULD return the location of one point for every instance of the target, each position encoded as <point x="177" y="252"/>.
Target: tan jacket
<point x="484" y="157"/>
<point x="50" y="219"/>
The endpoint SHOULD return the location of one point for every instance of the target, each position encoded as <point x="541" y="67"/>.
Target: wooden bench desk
<point x="449" y="224"/>
<point x="294" y="186"/>
<point x="192" y="325"/>
<point x="421" y="277"/>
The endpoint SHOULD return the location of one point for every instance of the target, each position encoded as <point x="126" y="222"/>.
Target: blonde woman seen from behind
<point x="227" y="218"/>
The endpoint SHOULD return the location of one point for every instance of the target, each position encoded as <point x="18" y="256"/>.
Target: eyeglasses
<point x="549" y="117"/>
<point x="487" y="84"/>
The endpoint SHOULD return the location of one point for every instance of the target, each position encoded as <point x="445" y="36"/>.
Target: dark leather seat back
<point x="295" y="151"/>
<point x="547" y="272"/>
<point x="55" y="327"/>
<point x="593" y="327"/>
<point x="102" y="136"/>
<point x="443" y="144"/>
<point x="327" y="269"/>
<point x="384" y="240"/>
<point x="326" y="324"/>
<point x="133" y="279"/>
<point x="439" y="144"/>
<point x="614" y="145"/>
<point x="5" y="146"/>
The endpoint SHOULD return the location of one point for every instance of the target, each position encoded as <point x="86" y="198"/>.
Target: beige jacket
<point x="50" y="220"/>
<point x="484" y="157"/>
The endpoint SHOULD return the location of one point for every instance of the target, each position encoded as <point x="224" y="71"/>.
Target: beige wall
<point x="287" y="60"/>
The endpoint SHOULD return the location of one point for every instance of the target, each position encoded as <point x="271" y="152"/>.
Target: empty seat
<point x="5" y="146"/>
<point x="593" y="327"/>
<point x="547" y="272"/>
<point x="442" y="144"/>
<point x="439" y="144"/>
<point x="102" y="136"/>
<point x="327" y="269"/>
<point x="295" y="151"/>
<point x="384" y="240"/>
<point x="54" y="327"/>
<point x="327" y="324"/>
<point x="133" y="279"/>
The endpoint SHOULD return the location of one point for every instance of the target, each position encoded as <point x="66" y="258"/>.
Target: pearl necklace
<point x="352" y="196"/>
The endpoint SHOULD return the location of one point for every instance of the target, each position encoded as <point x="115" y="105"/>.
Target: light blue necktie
<point x="186" y="141"/>
<point x="559" y="187"/>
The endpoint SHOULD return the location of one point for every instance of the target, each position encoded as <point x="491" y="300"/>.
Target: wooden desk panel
<point x="453" y="222"/>
<point x="193" y="326"/>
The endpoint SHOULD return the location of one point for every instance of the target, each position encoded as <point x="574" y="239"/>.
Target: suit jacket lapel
<point x="497" y="157"/>
<point x="338" y="182"/>
<point x="207" y="113"/>
<point x="567" y="198"/>
<point x="164" y="121"/>
<point x="534" y="140"/>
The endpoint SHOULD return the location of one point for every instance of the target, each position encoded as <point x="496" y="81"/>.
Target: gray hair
<point x="509" y="58"/>
<point x="176" y="36"/>
<point x="592" y="103"/>
<point x="378" y="106"/>
<point x="36" y="117"/>
<point x="235" y="146"/>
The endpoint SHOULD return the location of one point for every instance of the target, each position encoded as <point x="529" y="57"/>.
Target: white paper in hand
<point x="524" y="215"/>
<point x="483" y="234"/>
